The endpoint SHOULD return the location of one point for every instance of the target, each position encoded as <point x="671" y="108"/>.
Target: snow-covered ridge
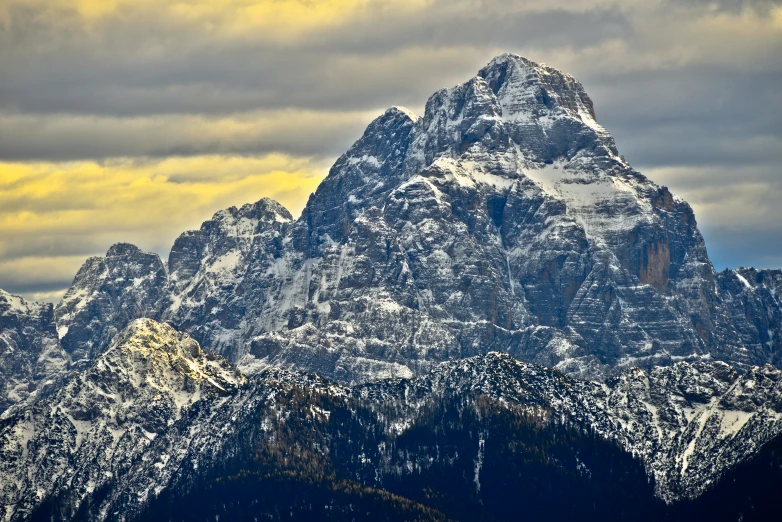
<point x="154" y="406"/>
<point x="104" y="418"/>
<point x="689" y="423"/>
<point x="10" y="303"/>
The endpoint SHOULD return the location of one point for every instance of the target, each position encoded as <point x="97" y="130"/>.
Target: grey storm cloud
<point x="75" y="137"/>
<point x="695" y="115"/>
<point x="142" y="66"/>
<point x="349" y="68"/>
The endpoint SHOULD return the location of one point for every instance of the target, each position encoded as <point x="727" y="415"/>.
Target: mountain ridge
<point x="31" y="358"/>
<point x="154" y="415"/>
<point x="502" y="219"/>
<point x="481" y="304"/>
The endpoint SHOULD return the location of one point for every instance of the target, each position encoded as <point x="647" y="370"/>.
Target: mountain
<point x="217" y="272"/>
<point x="107" y="293"/>
<point x="417" y="345"/>
<point x="503" y="219"/>
<point x="31" y="358"/>
<point x="156" y="429"/>
<point x="102" y="420"/>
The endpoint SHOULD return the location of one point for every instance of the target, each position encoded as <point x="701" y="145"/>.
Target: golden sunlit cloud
<point x="283" y="20"/>
<point x="125" y="194"/>
<point x="89" y="206"/>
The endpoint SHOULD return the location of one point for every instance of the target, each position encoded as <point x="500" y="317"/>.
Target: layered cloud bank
<point x="134" y="120"/>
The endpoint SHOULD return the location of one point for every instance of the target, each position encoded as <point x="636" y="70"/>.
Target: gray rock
<point x="218" y="273"/>
<point x="107" y="293"/>
<point x="752" y="303"/>
<point x="31" y="359"/>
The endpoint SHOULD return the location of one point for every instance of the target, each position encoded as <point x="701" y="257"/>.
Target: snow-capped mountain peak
<point x="502" y="219"/>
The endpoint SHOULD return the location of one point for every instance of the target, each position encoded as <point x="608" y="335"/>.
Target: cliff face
<point x="31" y="358"/>
<point x="752" y="301"/>
<point x="502" y="219"/>
<point x="107" y="293"/>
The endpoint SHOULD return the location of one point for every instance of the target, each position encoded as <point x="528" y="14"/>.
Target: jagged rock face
<point x="752" y="300"/>
<point x="155" y="414"/>
<point x="107" y="293"/>
<point x="218" y="274"/>
<point x="694" y="422"/>
<point x="31" y="358"/>
<point x="503" y="219"/>
<point x="104" y="418"/>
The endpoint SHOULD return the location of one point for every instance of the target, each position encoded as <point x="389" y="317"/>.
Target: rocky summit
<point x="479" y="308"/>
<point x="503" y="219"/>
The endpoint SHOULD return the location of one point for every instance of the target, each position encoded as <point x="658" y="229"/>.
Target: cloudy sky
<point x="133" y="120"/>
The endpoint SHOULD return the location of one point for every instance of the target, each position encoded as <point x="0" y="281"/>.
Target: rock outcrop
<point x="107" y="293"/>
<point x="31" y="358"/>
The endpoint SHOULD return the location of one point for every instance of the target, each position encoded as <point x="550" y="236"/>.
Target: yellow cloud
<point x="47" y="196"/>
<point x="283" y="20"/>
<point x="776" y="17"/>
<point x="146" y="203"/>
